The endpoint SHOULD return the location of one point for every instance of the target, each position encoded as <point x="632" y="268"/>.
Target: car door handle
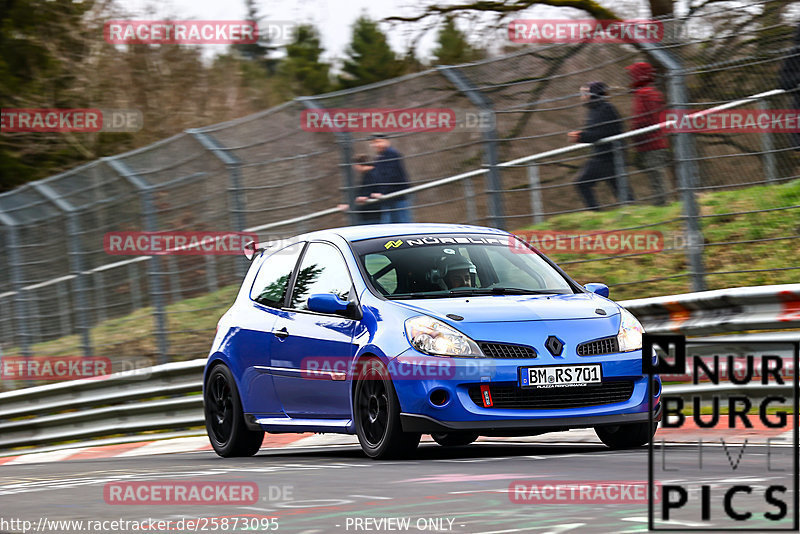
<point x="282" y="333"/>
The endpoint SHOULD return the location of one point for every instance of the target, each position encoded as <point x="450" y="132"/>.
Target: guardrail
<point x="130" y="401"/>
<point x="167" y="397"/>
<point x="720" y="311"/>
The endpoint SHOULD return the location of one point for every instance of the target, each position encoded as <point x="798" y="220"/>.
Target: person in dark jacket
<point x="789" y="79"/>
<point x="602" y="120"/>
<point x="367" y="213"/>
<point x="651" y="148"/>
<point x="391" y="177"/>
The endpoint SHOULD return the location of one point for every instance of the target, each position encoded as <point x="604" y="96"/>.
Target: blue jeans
<point x="396" y="211"/>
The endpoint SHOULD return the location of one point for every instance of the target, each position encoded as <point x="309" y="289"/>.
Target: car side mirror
<point x="597" y="289"/>
<point x="328" y="303"/>
<point x="251" y="250"/>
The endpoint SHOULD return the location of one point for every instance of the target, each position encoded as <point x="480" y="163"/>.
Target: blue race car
<point x="393" y="331"/>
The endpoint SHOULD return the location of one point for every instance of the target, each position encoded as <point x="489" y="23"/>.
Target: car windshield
<point x="440" y="266"/>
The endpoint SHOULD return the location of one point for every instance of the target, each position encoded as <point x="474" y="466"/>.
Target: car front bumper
<point x="461" y="412"/>
<point x="425" y="424"/>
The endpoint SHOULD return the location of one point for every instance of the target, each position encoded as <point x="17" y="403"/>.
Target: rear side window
<point x="272" y="280"/>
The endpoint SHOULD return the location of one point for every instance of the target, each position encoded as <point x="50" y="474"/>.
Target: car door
<point x="311" y="351"/>
<point x="254" y="338"/>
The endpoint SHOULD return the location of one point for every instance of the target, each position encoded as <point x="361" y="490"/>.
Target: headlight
<point x="430" y="336"/>
<point x="630" y="332"/>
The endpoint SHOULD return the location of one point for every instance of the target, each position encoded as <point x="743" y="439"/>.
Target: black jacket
<point x="369" y="185"/>
<point x="390" y="172"/>
<point x="603" y="120"/>
<point x="790" y="71"/>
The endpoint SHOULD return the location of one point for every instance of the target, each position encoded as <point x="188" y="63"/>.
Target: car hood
<point x="507" y="308"/>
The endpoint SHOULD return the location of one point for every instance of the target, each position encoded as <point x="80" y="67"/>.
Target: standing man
<point x="367" y="213"/>
<point x="602" y="120"/>
<point x="651" y="148"/>
<point x="391" y="176"/>
<point x="790" y="80"/>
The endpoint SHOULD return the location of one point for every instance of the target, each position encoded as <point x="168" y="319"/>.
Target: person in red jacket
<point x="790" y="80"/>
<point x="651" y="148"/>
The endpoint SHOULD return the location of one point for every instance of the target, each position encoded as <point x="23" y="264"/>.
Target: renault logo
<point x="554" y="345"/>
<point x="393" y="244"/>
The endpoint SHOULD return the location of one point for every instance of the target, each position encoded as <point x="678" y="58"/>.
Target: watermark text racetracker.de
<point x="76" y="120"/>
<point x="177" y="243"/>
<point x="165" y="492"/>
<point x="180" y="32"/>
<point x="55" y="368"/>
<point x="274" y="33"/>
<point x="404" y="367"/>
<point x="732" y="121"/>
<point x="392" y="120"/>
<point x="587" y="242"/>
<point x="579" y="492"/>
<point x="608" y="31"/>
<point x="585" y="31"/>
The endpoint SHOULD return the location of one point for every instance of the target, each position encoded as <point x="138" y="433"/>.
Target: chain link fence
<point x="728" y="212"/>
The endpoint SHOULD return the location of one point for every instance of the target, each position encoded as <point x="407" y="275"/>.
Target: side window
<point x="322" y="270"/>
<point x="382" y="272"/>
<point x="269" y="287"/>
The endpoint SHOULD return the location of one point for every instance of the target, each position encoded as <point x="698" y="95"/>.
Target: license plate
<point x="559" y="375"/>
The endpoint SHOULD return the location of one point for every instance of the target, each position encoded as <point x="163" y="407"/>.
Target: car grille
<point x="516" y="398"/>
<point x="607" y="345"/>
<point x="507" y="350"/>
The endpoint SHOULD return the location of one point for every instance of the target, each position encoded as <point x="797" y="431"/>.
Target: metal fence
<point x="733" y="198"/>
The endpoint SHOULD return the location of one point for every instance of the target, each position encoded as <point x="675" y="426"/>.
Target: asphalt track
<point x="329" y="489"/>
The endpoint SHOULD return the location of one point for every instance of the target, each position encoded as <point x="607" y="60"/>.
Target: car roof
<point x="372" y="231"/>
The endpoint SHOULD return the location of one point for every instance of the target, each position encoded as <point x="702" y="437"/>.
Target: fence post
<point x="63" y="315"/>
<point x="100" y="296"/>
<point x="469" y="195"/>
<point x="621" y="174"/>
<point x="174" y="275"/>
<point x="6" y="324"/>
<point x="236" y="197"/>
<point x="345" y="142"/>
<point x="15" y="275"/>
<point x="768" y="148"/>
<point x="34" y="317"/>
<point x="534" y="184"/>
<point x="685" y="165"/>
<point x="82" y="320"/>
<point x="156" y="270"/>
<point x="211" y="273"/>
<point x="686" y="168"/>
<point x="494" y="182"/>
<point x="136" y="290"/>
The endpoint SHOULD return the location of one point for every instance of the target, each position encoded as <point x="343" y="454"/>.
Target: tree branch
<point x="593" y="9"/>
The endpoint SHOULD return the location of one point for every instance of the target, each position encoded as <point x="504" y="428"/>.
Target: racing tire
<point x="227" y="431"/>
<point x="376" y="412"/>
<point x="454" y="439"/>
<point x="627" y="436"/>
